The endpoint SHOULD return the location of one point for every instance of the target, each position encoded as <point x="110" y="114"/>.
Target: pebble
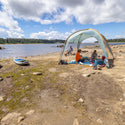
<point x="21" y="118"/>
<point x="124" y="95"/>
<point x="30" y="112"/>
<point x="9" y="76"/>
<point x="1" y="79"/>
<point x="88" y="74"/>
<point x="99" y="121"/>
<point x="1" y="98"/>
<point x="80" y="100"/>
<point x="121" y="99"/>
<point x="37" y="73"/>
<point x="22" y="74"/>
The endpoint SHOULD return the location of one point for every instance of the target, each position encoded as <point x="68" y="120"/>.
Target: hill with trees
<point x="28" y="41"/>
<point x="33" y="41"/>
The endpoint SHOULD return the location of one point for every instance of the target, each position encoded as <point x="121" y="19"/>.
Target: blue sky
<point x="57" y="19"/>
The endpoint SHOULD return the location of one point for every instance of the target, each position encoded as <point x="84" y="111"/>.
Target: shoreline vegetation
<point x="47" y="93"/>
<point x="30" y="41"/>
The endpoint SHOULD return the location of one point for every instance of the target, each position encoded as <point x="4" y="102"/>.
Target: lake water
<point x="22" y="50"/>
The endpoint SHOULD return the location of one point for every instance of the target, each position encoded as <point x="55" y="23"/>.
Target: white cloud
<point x="5" y="33"/>
<point x="55" y="11"/>
<point x="119" y="36"/>
<point x="50" y="35"/>
<point x="8" y="22"/>
<point x="8" y="25"/>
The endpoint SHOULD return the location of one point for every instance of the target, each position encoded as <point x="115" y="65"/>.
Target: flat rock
<point x="88" y="74"/>
<point x="10" y="117"/>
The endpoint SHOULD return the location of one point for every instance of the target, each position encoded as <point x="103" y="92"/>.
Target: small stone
<point x="1" y="66"/>
<point x="37" y="73"/>
<point x="124" y="95"/>
<point x="22" y="74"/>
<point x="121" y="99"/>
<point x="1" y="47"/>
<point x="21" y="118"/>
<point x="30" y="112"/>
<point x="26" y="87"/>
<point x="107" y="109"/>
<point x="81" y="100"/>
<point x="1" y="79"/>
<point x="9" y="76"/>
<point x="99" y="109"/>
<point x="66" y="106"/>
<point x="86" y="75"/>
<point x="99" y="121"/>
<point x="1" y="98"/>
<point x="75" y="90"/>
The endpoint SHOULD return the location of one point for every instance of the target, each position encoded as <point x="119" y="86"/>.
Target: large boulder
<point x="1" y="47"/>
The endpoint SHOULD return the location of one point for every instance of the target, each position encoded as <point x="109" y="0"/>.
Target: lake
<point x="23" y="50"/>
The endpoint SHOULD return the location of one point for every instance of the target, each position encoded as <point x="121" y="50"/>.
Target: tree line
<point x="27" y="41"/>
<point x="30" y="41"/>
<point x="117" y="40"/>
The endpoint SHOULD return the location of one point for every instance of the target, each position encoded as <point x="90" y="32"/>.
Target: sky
<point x="57" y="19"/>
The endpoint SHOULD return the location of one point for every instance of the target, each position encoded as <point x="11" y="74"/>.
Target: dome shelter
<point x="79" y="36"/>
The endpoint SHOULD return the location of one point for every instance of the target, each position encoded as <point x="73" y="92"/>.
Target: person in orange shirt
<point x="79" y="57"/>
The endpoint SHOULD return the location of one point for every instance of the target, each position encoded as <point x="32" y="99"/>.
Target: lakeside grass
<point x="26" y="86"/>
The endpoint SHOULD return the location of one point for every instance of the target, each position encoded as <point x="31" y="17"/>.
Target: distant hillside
<point x="27" y="41"/>
<point x="116" y="40"/>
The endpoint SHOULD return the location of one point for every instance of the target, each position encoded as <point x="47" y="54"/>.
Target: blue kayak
<point x="21" y="62"/>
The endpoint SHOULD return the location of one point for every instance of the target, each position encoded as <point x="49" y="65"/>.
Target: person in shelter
<point x="93" y="56"/>
<point x="69" y="51"/>
<point x="79" y="57"/>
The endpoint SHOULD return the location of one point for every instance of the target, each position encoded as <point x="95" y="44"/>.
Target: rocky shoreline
<point x="1" y="47"/>
<point x="45" y="93"/>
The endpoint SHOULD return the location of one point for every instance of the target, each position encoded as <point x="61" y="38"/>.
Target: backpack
<point x="63" y="62"/>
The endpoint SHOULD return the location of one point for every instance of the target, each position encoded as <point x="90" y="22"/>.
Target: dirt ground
<point x="64" y="94"/>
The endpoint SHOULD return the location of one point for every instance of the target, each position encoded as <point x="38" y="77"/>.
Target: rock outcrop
<point x="1" y="47"/>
